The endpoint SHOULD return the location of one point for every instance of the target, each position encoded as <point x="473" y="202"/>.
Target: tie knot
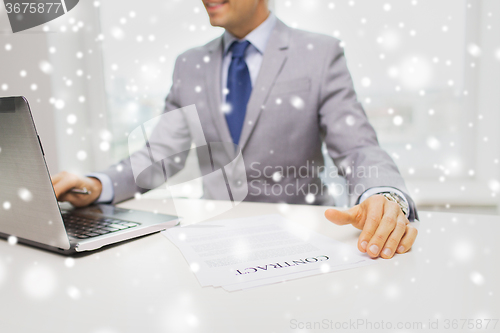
<point x="238" y="48"/>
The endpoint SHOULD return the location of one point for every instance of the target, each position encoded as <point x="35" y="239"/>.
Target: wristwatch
<point x="392" y="196"/>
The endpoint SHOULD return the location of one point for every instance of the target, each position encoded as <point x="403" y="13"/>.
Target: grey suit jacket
<point x="303" y="96"/>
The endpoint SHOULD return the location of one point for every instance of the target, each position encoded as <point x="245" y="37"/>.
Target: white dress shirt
<point x="254" y="54"/>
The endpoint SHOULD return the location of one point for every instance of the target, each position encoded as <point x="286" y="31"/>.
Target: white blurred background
<point x="426" y="71"/>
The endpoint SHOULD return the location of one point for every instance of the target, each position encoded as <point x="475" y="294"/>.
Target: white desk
<point x="146" y="286"/>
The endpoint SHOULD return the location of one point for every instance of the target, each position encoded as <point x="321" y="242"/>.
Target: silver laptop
<point x="28" y="206"/>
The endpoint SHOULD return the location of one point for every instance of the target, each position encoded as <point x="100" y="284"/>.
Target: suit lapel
<point x="213" y="87"/>
<point x="272" y="63"/>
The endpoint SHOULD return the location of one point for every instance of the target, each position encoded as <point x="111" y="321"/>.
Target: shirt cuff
<point x="108" y="192"/>
<point x="377" y="190"/>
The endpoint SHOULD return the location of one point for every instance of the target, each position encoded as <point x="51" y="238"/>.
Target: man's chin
<point x="218" y="21"/>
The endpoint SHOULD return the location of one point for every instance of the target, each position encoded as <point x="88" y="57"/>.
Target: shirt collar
<point x="258" y="37"/>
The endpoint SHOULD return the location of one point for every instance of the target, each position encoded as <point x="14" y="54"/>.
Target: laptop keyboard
<point x="85" y="227"/>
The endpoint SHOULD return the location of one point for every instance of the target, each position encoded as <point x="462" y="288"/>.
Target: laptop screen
<point x="7" y="105"/>
<point x="28" y="206"/>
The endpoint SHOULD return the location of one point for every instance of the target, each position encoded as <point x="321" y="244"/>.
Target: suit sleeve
<point x="170" y="136"/>
<point x="350" y="139"/>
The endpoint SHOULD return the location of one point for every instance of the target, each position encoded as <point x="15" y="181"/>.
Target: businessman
<point x="277" y="93"/>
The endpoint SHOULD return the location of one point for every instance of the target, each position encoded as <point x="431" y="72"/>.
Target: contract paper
<point x="249" y="252"/>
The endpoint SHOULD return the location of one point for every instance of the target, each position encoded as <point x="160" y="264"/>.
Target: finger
<point x="375" y="211"/>
<point x="342" y="217"/>
<point x="385" y="228"/>
<point x="58" y="177"/>
<point x="77" y="200"/>
<point x="395" y="237"/>
<point x="66" y="197"/>
<point x="408" y="239"/>
<point x="65" y="184"/>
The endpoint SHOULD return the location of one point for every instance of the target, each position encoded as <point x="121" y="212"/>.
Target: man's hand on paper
<point x="386" y="230"/>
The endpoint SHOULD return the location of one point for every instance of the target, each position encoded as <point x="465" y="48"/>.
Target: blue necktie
<point x="239" y="86"/>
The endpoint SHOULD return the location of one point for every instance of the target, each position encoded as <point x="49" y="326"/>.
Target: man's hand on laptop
<point x="386" y="230"/>
<point x="64" y="182"/>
